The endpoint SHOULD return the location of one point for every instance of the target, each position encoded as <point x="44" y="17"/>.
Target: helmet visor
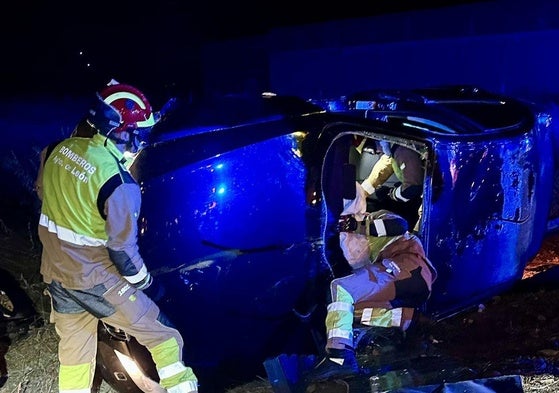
<point x="102" y="116"/>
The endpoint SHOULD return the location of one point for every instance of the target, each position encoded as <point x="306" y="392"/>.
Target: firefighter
<point x="404" y="197"/>
<point x="391" y="279"/>
<point x="90" y="259"/>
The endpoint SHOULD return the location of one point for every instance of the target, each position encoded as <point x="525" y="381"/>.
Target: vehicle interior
<point x="350" y="159"/>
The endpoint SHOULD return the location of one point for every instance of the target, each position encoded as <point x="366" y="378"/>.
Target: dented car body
<point x="241" y="201"/>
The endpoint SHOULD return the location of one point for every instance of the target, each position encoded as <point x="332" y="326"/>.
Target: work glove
<point x="347" y="223"/>
<point x="382" y="194"/>
<point x="151" y="287"/>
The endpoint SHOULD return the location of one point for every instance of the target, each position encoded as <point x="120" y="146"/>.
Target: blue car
<point x="241" y="200"/>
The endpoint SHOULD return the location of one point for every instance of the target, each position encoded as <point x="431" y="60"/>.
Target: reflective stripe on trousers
<point x="173" y="374"/>
<point x="137" y="315"/>
<point x="396" y="317"/>
<point x="76" y="367"/>
<point x="339" y="320"/>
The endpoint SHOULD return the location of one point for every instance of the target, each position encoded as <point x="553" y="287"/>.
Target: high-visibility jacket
<point x="88" y="228"/>
<point x="384" y="292"/>
<point x="82" y="180"/>
<point x="406" y="165"/>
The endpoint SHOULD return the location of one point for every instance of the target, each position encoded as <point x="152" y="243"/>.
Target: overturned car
<point x="241" y="202"/>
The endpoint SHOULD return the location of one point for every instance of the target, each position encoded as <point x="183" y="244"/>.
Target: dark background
<point x="56" y="54"/>
<point x="63" y="47"/>
<point x="47" y="82"/>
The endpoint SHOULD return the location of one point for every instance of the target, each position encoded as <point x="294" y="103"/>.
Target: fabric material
<point x="396" y="317"/>
<point x="378" y="228"/>
<point x="77" y="168"/>
<point x="133" y="312"/>
<point x="376" y="244"/>
<point x="407" y="166"/>
<point x="399" y="277"/>
<point x="359" y="249"/>
<point x="355" y="247"/>
<point x="172" y="372"/>
<point x="368" y="187"/>
<point x="91" y="261"/>
<point x="184" y="387"/>
<point x="75" y="378"/>
<point x="402" y="260"/>
<point x="379" y="223"/>
<point x="381" y="172"/>
<point x="72" y="228"/>
<point x="77" y="348"/>
<point x="339" y="320"/>
<point x="385" y="223"/>
<point x="72" y="301"/>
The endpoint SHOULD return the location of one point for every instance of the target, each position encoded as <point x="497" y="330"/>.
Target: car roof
<point x="229" y="111"/>
<point x="448" y="110"/>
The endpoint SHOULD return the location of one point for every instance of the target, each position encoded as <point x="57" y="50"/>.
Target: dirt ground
<point x="516" y="333"/>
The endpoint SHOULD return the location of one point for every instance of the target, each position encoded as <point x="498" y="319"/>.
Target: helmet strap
<point x="127" y="139"/>
<point x="116" y="139"/>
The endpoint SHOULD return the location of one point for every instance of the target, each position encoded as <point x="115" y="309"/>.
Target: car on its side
<point x="241" y="201"/>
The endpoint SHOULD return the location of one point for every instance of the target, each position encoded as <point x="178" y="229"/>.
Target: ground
<point x="516" y="333"/>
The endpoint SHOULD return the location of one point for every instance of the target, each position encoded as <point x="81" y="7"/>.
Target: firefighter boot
<point x="338" y="363"/>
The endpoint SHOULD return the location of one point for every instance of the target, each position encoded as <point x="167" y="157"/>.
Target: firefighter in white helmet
<point x="391" y="279"/>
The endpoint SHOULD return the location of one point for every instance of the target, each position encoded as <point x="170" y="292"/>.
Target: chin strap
<point x="131" y="144"/>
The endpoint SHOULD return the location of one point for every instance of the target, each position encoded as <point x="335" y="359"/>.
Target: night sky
<point x="65" y="47"/>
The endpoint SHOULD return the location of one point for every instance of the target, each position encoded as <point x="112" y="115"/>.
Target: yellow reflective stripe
<point x="170" y="370"/>
<point x="397" y="316"/>
<point x="339" y="321"/>
<point x="342" y="295"/>
<point x="76" y="378"/>
<point x="165" y="353"/>
<point x="382" y="317"/>
<point x="340" y="306"/>
<point x="184" y="387"/>
<point x="68" y="235"/>
<point x="183" y="379"/>
<point x="340" y="333"/>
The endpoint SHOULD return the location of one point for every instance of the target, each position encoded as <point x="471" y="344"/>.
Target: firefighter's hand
<point x="346" y="223"/>
<point x="155" y="290"/>
<point x="144" y="282"/>
<point x="151" y="287"/>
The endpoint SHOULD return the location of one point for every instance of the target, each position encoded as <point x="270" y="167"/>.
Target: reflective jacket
<point x="88" y="222"/>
